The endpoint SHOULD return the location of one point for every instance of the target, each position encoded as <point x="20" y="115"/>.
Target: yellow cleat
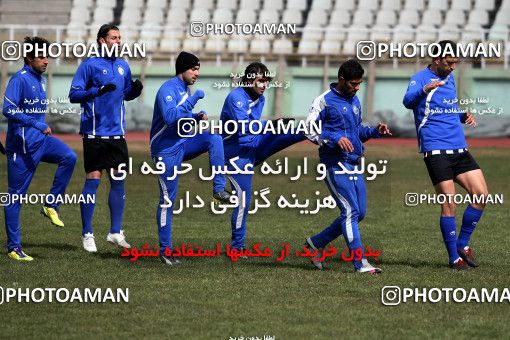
<point x="52" y="214"/>
<point x="18" y="255"/>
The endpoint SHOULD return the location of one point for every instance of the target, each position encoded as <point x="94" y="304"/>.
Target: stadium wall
<point x="304" y="85"/>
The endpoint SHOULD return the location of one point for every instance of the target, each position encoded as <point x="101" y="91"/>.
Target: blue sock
<point x="116" y="203"/>
<point x="354" y="244"/>
<point x="87" y="209"/>
<point x="447" y="224"/>
<point x="469" y="221"/>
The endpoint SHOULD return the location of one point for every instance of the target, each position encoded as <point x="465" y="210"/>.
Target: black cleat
<point x="467" y="255"/>
<point x="239" y="250"/>
<point x="222" y="196"/>
<point x="460" y="264"/>
<point x="169" y="260"/>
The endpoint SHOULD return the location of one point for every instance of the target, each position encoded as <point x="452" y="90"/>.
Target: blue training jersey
<point x="239" y="106"/>
<point x="340" y="116"/>
<point x="173" y="102"/>
<point x="102" y="115"/>
<point x="437" y="116"/>
<point x="25" y="108"/>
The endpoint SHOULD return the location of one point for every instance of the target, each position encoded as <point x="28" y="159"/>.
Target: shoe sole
<point x="466" y="258"/>
<point x="21" y="259"/>
<point x="56" y="225"/>
<point x="461" y="269"/>
<point x="118" y="245"/>
<point x="170" y="263"/>
<point x="374" y="271"/>
<point x="90" y="251"/>
<point x="317" y="264"/>
<point x="218" y="202"/>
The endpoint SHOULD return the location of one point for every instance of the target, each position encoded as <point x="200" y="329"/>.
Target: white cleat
<point x="118" y="239"/>
<point x="88" y="243"/>
<point x="368" y="268"/>
<point x="315" y="261"/>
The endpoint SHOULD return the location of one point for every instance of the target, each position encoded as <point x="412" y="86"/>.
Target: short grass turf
<point x="215" y="298"/>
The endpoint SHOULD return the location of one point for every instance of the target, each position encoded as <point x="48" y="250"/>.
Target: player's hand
<point x="470" y="120"/>
<point x="192" y="101"/>
<point x="202" y="115"/>
<point x="137" y="85"/>
<point x="199" y="94"/>
<point x="47" y="131"/>
<point x="345" y="144"/>
<point x="433" y="85"/>
<point x="383" y="129"/>
<point x="106" y="88"/>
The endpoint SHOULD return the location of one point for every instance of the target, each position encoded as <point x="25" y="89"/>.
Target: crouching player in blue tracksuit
<point x="170" y="145"/>
<point x="341" y="141"/>
<point x="243" y="105"/>
<point x="101" y="85"/>
<point x="432" y="96"/>
<point x="29" y="142"/>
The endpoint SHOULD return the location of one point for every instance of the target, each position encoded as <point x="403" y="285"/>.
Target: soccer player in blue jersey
<point x="170" y="145"/>
<point x="29" y="142"/>
<point x="101" y="85"/>
<point x="245" y="104"/>
<point x="432" y="96"/>
<point x="341" y="142"/>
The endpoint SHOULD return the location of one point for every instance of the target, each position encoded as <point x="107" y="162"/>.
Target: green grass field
<point x="214" y="298"/>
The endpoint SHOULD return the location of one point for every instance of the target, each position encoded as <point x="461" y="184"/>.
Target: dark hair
<point x="38" y="44"/>
<point x="253" y="69"/>
<point x="441" y="49"/>
<point x="103" y="31"/>
<point x="351" y="69"/>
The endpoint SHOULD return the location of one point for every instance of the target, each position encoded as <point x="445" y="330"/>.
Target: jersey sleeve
<point x="313" y="115"/>
<point x="414" y="93"/>
<point x="12" y="109"/>
<point x="79" y="92"/>
<point x="170" y="109"/>
<point x="129" y="92"/>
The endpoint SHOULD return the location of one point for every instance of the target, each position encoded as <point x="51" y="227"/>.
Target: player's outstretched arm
<point x="383" y="129"/>
<point x="416" y="92"/>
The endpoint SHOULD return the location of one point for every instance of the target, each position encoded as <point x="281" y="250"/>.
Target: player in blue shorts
<point x="171" y="146"/>
<point x="245" y="104"/>
<point x="101" y="85"/>
<point x="29" y="142"/>
<point x="341" y="141"/>
<point x="432" y="95"/>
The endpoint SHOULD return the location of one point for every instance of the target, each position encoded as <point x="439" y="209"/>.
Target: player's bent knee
<point x="214" y="138"/>
<point x="71" y="158"/>
<point x="355" y="215"/>
<point x="480" y="193"/>
<point x="479" y="206"/>
<point x="361" y="216"/>
<point x="448" y="209"/>
<point x="93" y="175"/>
